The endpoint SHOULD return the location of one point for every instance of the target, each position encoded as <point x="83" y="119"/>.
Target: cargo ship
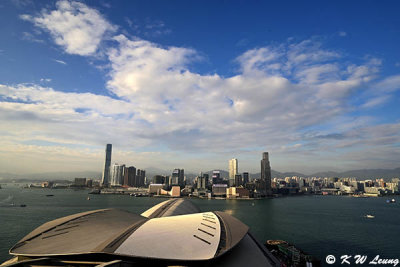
<point x="289" y="255"/>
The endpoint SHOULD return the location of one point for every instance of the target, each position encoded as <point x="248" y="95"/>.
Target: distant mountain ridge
<point x="151" y="171"/>
<point x="50" y="176"/>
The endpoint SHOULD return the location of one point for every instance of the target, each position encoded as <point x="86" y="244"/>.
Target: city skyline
<point x="192" y="85"/>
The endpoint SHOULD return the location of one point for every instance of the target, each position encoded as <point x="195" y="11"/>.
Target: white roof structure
<point x="173" y="232"/>
<point x="200" y="234"/>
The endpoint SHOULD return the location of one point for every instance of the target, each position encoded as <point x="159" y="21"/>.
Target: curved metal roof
<point x="171" y="207"/>
<point x="121" y="235"/>
<point x="184" y="237"/>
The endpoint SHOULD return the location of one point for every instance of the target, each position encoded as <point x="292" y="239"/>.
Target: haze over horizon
<point x="194" y="84"/>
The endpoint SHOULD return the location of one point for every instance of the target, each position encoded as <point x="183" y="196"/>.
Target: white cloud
<point x="30" y="37"/>
<point x="165" y="104"/>
<point x="60" y="61"/>
<point x="273" y="95"/>
<point x="389" y="84"/>
<point x="74" y="26"/>
<point x="377" y="101"/>
<point x="277" y="92"/>
<point x="382" y="91"/>
<point x="45" y="80"/>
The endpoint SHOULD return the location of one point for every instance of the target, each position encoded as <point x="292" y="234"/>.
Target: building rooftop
<point x="173" y="232"/>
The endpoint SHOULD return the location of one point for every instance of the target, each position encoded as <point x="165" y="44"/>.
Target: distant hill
<point x="325" y="174"/>
<point x="370" y="173"/>
<point x="223" y="173"/>
<point x="49" y="176"/>
<point x="151" y="171"/>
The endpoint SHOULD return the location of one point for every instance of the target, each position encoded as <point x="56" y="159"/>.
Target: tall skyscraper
<point x="105" y="179"/>
<point x="118" y="175"/>
<point x="216" y="177"/>
<point x="177" y="177"/>
<point x="130" y="176"/>
<point x="246" y="178"/>
<point x="140" y="178"/>
<point x="206" y="180"/>
<point x="265" y="185"/>
<point x="233" y="168"/>
<point x="238" y="180"/>
<point x="202" y="181"/>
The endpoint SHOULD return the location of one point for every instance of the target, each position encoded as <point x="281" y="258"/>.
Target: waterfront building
<point x="89" y="183"/>
<point x="231" y="192"/>
<point x="174" y="192"/>
<point x="118" y="173"/>
<point x="237" y="192"/>
<point x="130" y="176"/>
<point x="238" y="180"/>
<point x="140" y="178"/>
<point x="233" y="168"/>
<point x="219" y="190"/>
<point x="155" y="188"/>
<point x="105" y="180"/>
<point x="80" y="182"/>
<point x="265" y="181"/>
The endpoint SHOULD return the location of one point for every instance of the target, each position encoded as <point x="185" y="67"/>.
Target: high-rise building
<point x="238" y="180"/>
<point x="105" y="179"/>
<point x="206" y="180"/>
<point x="246" y="178"/>
<point x="158" y="179"/>
<point x="202" y="181"/>
<point x="130" y="176"/>
<point x="118" y="174"/>
<point x="140" y="178"/>
<point x="177" y="177"/>
<point x="265" y="183"/>
<point x="216" y="177"/>
<point x="233" y="168"/>
<point x="167" y="180"/>
<point x="80" y="182"/>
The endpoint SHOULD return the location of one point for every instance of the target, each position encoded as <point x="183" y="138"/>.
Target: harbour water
<point x="319" y="225"/>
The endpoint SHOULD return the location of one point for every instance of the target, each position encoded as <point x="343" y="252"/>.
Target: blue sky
<point x="192" y="84"/>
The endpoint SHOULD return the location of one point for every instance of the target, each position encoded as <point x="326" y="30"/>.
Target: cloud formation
<point x="74" y="26"/>
<point x="278" y="93"/>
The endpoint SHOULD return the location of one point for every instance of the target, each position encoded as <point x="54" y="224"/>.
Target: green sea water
<point x="319" y="225"/>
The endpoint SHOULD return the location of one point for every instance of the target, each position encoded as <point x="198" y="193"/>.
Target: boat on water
<point x="360" y="196"/>
<point x="136" y="194"/>
<point x="49" y="195"/>
<point x="369" y="216"/>
<point x="290" y="255"/>
<point x="391" y="200"/>
<point x="95" y="192"/>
